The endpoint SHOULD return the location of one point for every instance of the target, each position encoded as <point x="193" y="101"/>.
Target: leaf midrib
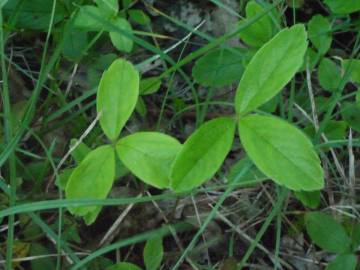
<point x="281" y="153"/>
<point x="201" y="157"/>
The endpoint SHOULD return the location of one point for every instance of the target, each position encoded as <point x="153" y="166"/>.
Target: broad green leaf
<point x="126" y="3"/>
<point x="271" y="69"/>
<point x="282" y="152"/>
<point x="260" y="31"/>
<point x="124" y="266"/>
<point x="92" y="179"/>
<point x="75" y="44"/>
<point x="149" y="156"/>
<point x="354" y="66"/>
<point x="310" y="199"/>
<point x="329" y="75"/>
<point x="202" y="154"/>
<point x="86" y="19"/>
<point x="320" y="33"/>
<point x="139" y="16"/>
<point x="108" y="7"/>
<point x="80" y="152"/>
<point x="310" y="57"/>
<point x="64" y="178"/>
<point x="219" y="68"/>
<point x="342" y="262"/>
<point x="34" y="14"/>
<point x="149" y="85"/>
<point x="120" y="41"/>
<point x="117" y="96"/>
<point x="91" y="216"/>
<point x="153" y="253"/>
<point x="327" y="233"/>
<point x="351" y="114"/>
<point x="343" y="7"/>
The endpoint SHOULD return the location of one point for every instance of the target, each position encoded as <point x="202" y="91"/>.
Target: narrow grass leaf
<point x="124" y="266"/>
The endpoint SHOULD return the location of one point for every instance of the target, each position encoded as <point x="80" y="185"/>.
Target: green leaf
<point x="126" y="3"/>
<point x="108" y="7"/>
<point x="343" y="7"/>
<point x="355" y="236"/>
<point x="310" y="199"/>
<point x="117" y="96"/>
<point x="153" y="253"/>
<point x="219" y="68"/>
<point x="329" y="75"/>
<point x="138" y="16"/>
<point x="149" y="156"/>
<point x="120" y="41"/>
<point x="64" y="178"/>
<point x="202" y="154"/>
<point x="86" y="18"/>
<point x="351" y="114"/>
<point x="34" y="14"/>
<point x="327" y="233"/>
<point x="80" y="152"/>
<point x="354" y="66"/>
<point x="320" y="33"/>
<point x="75" y="44"/>
<point x="260" y="31"/>
<point x="92" y="179"/>
<point x="282" y="152"/>
<point x="124" y="266"/>
<point x="271" y="69"/>
<point x="342" y="262"/>
<point x="334" y="130"/>
<point x="149" y="85"/>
